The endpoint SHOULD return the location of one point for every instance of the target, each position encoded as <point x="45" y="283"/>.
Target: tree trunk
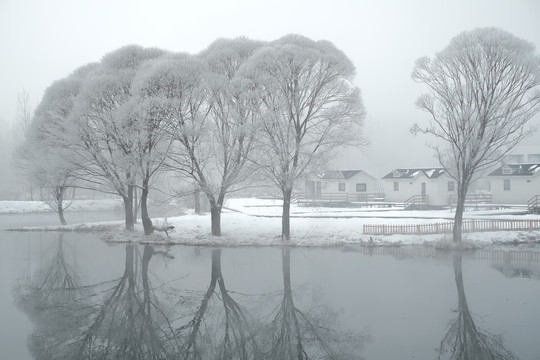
<point x="458" y="217"/>
<point x="61" y="213"/>
<point x="215" y="213"/>
<point x="60" y="204"/>
<point x="286" y="216"/>
<point x="197" y="202"/>
<point x="147" y="222"/>
<point x="128" y="208"/>
<point x="135" y="205"/>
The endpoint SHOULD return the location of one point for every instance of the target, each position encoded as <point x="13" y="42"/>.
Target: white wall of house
<point x="436" y="189"/>
<point x="444" y="190"/>
<point x="522" y="188"/>
<point x="331" y="186"/>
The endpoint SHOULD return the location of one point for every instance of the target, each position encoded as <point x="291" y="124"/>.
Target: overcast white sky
<point x="44" y="40"/>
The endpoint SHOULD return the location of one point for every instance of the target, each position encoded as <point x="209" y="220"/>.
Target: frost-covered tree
<point x="311" y="107"/>
<point x="147" y="116"/>
<point x="483" y="89"/>
<point x="23" y="115"/>
<point x="211" y="117"/>
<point x="234" y="112"/>
<point x="175" y="84"/>
<point x="104" y="135"/>
<point x="7" y="147"/>
<point x="23" y="120"/>
<point x="51" y="163"/>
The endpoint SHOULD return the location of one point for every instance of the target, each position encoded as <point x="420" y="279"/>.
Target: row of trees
<point x="269" y="110"/>
<point x="241" y="110"/>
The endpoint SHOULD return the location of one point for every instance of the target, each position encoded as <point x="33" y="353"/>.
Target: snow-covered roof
<point x="530" y="169"/>
<point x="430" y="173"/>
<point x="341" y="174"/>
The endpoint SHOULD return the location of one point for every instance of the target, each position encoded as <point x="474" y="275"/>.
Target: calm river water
<point x="73" y="296"/>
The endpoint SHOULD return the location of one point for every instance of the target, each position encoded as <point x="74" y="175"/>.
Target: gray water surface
<point x="73" y="296"/>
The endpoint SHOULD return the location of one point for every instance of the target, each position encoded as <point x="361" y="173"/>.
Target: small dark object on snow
<point x="166" y="228"/>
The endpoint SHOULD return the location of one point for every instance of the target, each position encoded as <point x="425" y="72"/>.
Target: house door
<point x="423" y="191"/>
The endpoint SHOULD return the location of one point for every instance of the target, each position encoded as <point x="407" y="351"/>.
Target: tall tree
<point x="23" y="115"/>
<point x="483" y="89"/>
<point x="234" y="114"/>
<point x="311" y="107"/>
<point x="51" y="163"/>
<point x="174" y="88"/>
<point x="105" y="141"/>
<point x="23" y="120"/>
<point x="146" y="118"/>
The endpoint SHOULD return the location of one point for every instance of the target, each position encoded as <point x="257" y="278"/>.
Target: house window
<point x="507" y="170"/>
<point x="361" y="187"/>
<point x="451" y="186"/>
<point x="506" y="185"/>
<point x="341" y="186"/>
<point x="396" y="186"/>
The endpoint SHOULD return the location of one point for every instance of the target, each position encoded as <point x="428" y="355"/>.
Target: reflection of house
<point x="515" y="183"/>
<point x="345" y="185"/>
<point x="432" y="185"/>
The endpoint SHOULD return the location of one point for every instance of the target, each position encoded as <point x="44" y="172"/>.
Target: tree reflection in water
<point x="45" y="297"/>
<point x="297" y="334"/>
<point x="465" y="340"/>
<point x="124" y="321"/>
<point x="130" y="322"/>
<point x="220" y="327"/>
<point x="125" y="318"/>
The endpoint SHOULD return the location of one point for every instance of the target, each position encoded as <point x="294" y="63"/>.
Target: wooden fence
<point x="343" y="199"/>
<point x="446" y="227"/>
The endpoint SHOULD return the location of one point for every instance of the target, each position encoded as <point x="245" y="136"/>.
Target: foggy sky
<point x="43" y="41"/>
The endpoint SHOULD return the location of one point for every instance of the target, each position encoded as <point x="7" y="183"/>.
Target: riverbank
<point x="257" y="222"/>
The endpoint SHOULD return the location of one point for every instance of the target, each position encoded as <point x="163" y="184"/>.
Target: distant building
<point x="346" y="185"/>
<point x="433" y="184"/>
<point x="515" y="183"/>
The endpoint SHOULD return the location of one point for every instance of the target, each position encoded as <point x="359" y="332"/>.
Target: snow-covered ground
<point x="257" y="222"/>
<point x="20" y="207"/>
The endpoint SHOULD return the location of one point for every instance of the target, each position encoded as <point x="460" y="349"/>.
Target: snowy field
<point x="257" y="222"/>
<point x="20" y="207"/>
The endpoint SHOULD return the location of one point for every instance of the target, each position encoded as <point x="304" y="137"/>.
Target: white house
<point x="432" y="184"/>
<point x="515" y="183"/>
<point x="346" y="185"/>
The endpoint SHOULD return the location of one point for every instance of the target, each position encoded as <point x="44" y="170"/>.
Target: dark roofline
<point x="527" y="169"/>
<point x="407" y="173"/>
